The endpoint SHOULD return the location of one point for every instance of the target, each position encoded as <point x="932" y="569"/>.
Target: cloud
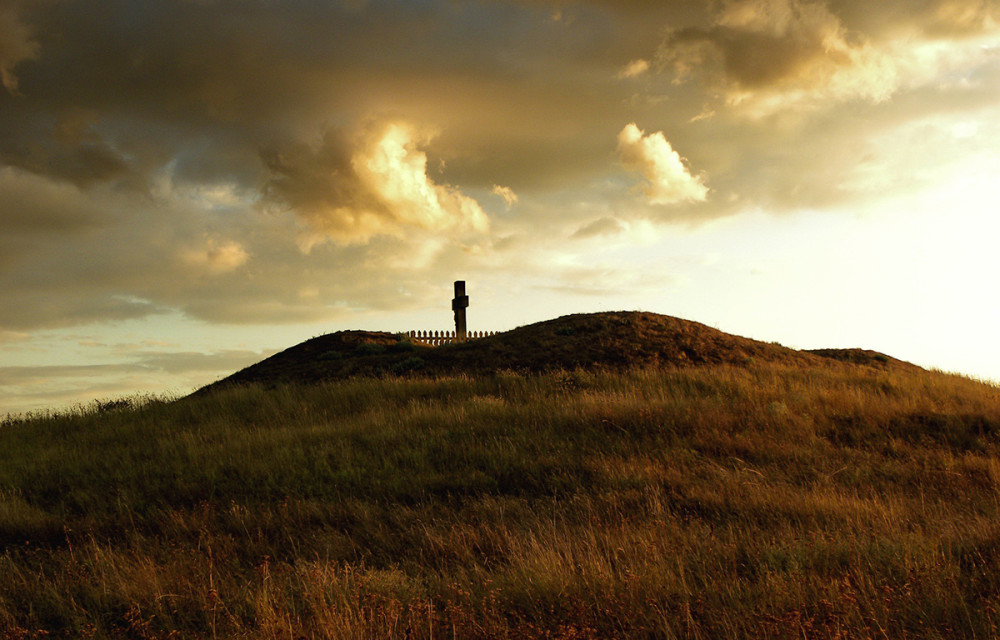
<point x="216" y="256"/>
<point x="599" y="279"/>
<point x="33" y="205"/>
<point x="770" y="55"/>
<point x="27" y="388"/>
<point x="369" y="183"/>
<point x="634" y="69"/>
<point x="600" y="227"/>
<point x="180" y="362"/>
<point x="506" y="193"/>
<point x="224" y="361"/>
<point x="133" y="164"/>
<point x="76" y="257"/>
<point x="961" y="17"/>
<point x="155" y="91"/>
<point x="668" y="180"/>
<point x="13" y="336"/>
<point x="65" y="146"/>
<point x="16" y="44"/>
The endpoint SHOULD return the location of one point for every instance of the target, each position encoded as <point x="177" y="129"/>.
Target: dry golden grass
<point x="753" y="501"/>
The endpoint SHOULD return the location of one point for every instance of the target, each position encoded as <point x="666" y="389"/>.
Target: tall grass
<point x="722" y="502"/>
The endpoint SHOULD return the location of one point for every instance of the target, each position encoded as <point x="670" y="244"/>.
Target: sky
<point x="188" y="186"/>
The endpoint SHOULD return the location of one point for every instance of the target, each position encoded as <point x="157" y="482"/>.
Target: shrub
<point x="410" y="364"/>
<point x="403" y="346"/>
<point x="369" y="349"/>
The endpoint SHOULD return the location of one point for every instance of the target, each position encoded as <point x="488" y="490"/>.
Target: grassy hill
<point x="679" y="484"/>
<point x="594" y="341"/>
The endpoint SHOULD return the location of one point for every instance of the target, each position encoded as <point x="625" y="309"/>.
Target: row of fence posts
<point x="438" y="338"/>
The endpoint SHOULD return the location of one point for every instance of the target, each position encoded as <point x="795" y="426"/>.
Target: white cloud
<point x="506" y="193"/>
<point x="668" y="180"/>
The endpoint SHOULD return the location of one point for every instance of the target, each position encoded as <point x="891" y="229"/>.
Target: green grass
<point x="715" y="502"/>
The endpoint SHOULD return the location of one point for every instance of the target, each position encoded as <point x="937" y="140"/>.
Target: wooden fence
<point x="438" y="338"/>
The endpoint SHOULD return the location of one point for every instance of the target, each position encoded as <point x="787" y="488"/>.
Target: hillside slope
<point x="768" y="500"/>
<point x="610" y="340"/>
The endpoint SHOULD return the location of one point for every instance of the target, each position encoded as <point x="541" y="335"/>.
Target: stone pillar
<point x="458" y="305"/>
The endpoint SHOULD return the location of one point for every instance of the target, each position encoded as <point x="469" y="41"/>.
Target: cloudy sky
<point x="187" y="186"/>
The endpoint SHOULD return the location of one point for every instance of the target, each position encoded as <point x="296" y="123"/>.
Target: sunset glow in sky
<point x="187" y="186"/>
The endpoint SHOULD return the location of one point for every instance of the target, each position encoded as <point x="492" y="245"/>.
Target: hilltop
<point x="592" y="341"/>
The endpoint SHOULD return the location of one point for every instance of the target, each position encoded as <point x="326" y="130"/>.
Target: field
<point x="760" y="500"/>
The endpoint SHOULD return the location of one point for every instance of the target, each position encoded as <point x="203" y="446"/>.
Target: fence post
<point x="438" y="338"/>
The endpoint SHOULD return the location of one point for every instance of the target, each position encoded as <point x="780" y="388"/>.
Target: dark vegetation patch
<point x="861" y="356"/>
<point x="963" y="431"/>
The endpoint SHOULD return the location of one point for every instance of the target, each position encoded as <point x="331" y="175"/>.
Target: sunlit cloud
<point x="217" y="256"/>
<point x="506" y="193"/>
<point x="770" y="55"/>
<point x="634" y="69"/>
<point x="951" y="17"/>
<point x="668" y="180"/>
<point x="368" y="183"/>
